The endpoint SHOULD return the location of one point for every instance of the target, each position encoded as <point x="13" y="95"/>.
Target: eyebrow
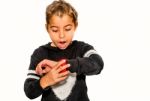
<point x="68" y="25"/>
<point x="53" y="26"/>
<point x="64" y="26"/>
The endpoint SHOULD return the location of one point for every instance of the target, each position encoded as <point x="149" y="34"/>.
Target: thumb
<point x="38" y="70"/>
<point x="50" y="63"/>
<point x="47" y="69"/>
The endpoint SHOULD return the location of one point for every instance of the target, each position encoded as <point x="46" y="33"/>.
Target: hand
<point x="55" y="75"/>
<point x="45" y="66"/>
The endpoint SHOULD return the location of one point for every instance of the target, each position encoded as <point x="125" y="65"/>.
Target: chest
<point x="64" y="54"/>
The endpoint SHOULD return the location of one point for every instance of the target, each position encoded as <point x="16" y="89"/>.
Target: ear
<point x="46" y="26"/>
<point x="76" y="25"/>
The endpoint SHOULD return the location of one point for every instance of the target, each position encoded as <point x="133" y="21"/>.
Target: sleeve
<point x="89" y="63"/>
<point x="32" y="86"/>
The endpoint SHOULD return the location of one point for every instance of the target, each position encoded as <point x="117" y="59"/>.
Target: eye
<point x="54" y="31"/>
<point x="67" y="29"/>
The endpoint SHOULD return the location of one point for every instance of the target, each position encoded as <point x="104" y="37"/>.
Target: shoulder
<point x="41" y="50"/>
<point x="83" y="47"/>
<point x="82" y="44"/>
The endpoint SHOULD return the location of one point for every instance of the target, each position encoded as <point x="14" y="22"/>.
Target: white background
<point x="118" y="29"/>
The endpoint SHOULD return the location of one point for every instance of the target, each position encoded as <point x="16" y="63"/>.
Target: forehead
<point x="61" y="20"/>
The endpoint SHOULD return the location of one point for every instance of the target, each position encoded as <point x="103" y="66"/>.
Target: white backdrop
<point x="118" y="29"/>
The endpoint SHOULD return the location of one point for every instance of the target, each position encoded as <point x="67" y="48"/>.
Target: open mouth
<point x="62" y="42"/>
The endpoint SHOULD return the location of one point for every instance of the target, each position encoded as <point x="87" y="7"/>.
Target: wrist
<point x="43" y="82"/>
<point x="46" y="82"/>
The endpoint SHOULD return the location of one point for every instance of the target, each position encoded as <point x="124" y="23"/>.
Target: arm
<point x="35" y="85"/>
<point x="32" y="86"/>
<point x="89" y="63"/>
<point x="35" y="88"/>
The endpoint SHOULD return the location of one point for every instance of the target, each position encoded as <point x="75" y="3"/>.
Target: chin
<point x="62" y="48"/>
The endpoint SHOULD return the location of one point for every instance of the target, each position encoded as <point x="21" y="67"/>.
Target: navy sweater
<point x="84" y="61"/>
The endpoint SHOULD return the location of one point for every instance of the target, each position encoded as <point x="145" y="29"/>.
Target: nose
<point x="61" y="34"/>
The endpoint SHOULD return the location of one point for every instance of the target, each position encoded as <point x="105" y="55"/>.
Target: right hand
<point x="55" y="75"/>
<point x="47" y="64"/>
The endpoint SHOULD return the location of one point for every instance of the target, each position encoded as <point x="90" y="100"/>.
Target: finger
<point x="62" y="78"/>
<point x="63" y="68"/>
<point x="59" y="64"/>
<point x="43" y="63"/>
<point x="66" y="73"/>
<point x="49" y="63"/>
<point x="47" y="69"/>
<point x="39" y="66"/>
<point x="38" y="70"/>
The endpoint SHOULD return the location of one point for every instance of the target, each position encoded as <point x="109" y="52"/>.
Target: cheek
<point x="69" y="34"/>
<point x="52" y="36"/>
<point x="70" y="37"/>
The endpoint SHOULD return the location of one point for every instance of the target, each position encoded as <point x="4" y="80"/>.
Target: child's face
<point x="61" y="31"/>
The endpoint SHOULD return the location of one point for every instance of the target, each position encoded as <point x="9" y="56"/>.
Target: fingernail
<point x="64" y="60"/>
<point x="69" y="65"/>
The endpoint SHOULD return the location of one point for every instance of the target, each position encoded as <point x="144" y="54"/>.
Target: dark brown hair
<point x="59" y="8"/>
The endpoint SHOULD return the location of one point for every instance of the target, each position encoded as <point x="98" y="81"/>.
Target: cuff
<point x="74" y="65"/>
